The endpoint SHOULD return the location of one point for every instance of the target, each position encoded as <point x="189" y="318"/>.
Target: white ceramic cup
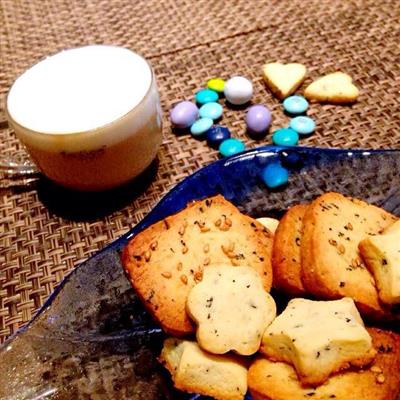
<point x="90" y="117"/>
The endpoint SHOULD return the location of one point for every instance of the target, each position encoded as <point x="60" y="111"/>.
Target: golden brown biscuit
<point x="381" y="254"/>
<point x="332" y="268"/>
<point x="196" y="371"/>
<point x="318" y="338"/>
<point x="167" y="259"/>
<point x="336" y="88"/>
<point x="286" y="261"/>
<point x="269" y="380"/>
<point x="284" y="79"/>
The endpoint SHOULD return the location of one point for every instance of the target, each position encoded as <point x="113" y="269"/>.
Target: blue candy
<point x="206" y="96"/>
<point x="274" y="175"/>
<point x="295" y="104"/>
<point x="200" y="126"/>
<point x="231" y="146"/>
<point x="216" y="135"/>
<point x="302" y="125"/>
<point x="211" y="110"/>
<point x="285" y="137"/>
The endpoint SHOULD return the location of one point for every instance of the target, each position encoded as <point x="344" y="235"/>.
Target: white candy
<point x="238" y="90"/>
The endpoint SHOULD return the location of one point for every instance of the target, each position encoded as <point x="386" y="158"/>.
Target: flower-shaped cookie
<point x="231" y="310"/>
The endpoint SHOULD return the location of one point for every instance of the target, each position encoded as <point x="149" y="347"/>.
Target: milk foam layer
<point x="79" y="90"/>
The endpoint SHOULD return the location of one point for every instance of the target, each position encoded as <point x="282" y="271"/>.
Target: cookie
<point x="318" y="338"/>
<point x="231" y="309"/>
<point x="270" y="223"/>
<point x="195" y="371"/>
<point x="332" y="268"/>
<point x="284" y="79"/>
<point x="286" y="261"/>
<point x="270" y="380"/>
<point x="167" y="259"/>
<point x="381" y="254"/>
<point x="336" y="88"/>
<point x="393" y="229"/>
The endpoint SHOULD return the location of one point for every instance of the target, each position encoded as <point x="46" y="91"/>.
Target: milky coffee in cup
<point x="90" y="117"/>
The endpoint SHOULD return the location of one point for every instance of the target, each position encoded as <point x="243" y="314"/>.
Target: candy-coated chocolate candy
<point x="285" y="137"/>
<point x="258" y="119"/>
<point x="238" y="90"/>
<point x="205" y="96"/>
<point x="295" y="104"/>
<point x="302" y="125"/>
<point x="201" y="126"/>
<point x="216" y="84"/>
<point x="274" y="175"/>
<point x="184" y="114"/>
<point x="211" y="110"/>
<point x="231" y="146"/>
<point x="216" y="135"/>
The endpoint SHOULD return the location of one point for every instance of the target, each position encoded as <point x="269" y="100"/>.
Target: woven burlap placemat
<point x="43" y="235"/>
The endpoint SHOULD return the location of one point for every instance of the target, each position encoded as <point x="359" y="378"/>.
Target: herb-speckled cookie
<point x="196" y="371"/>
<point x="286" y="262"/>
<point x="167" y="259"/>
<point x="381" y="254"/>
<point x="319" y="338"/>
<point x="332" y="268"/>
<point x="231" y="309"/>
<point x="270" y="380"/>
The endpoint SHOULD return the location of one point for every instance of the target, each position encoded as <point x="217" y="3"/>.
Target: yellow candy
<point x="216" y="84"/>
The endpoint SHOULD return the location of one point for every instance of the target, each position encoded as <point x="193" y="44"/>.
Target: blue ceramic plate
<point x="93" y="340"/>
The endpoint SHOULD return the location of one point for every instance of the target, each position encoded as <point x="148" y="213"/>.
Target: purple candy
<point x="258" y="119"/>
<point x="184" y="114"/>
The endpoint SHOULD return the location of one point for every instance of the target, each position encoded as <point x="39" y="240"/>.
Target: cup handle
<point x="16" y="171"/>
<point x="10" y="166"/>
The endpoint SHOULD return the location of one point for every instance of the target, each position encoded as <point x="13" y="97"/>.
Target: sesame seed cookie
<point x="167" y="259"/>
<point x="332" y="267"/>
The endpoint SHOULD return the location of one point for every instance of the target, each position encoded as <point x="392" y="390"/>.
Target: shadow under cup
<point x="102" y="158"/>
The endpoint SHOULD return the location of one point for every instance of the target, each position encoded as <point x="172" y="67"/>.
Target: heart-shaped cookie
<point x="284" y="79"/>
<point x="334" y="88"/>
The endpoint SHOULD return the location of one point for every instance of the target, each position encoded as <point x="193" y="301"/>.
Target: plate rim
<point x="117" y="244"/>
